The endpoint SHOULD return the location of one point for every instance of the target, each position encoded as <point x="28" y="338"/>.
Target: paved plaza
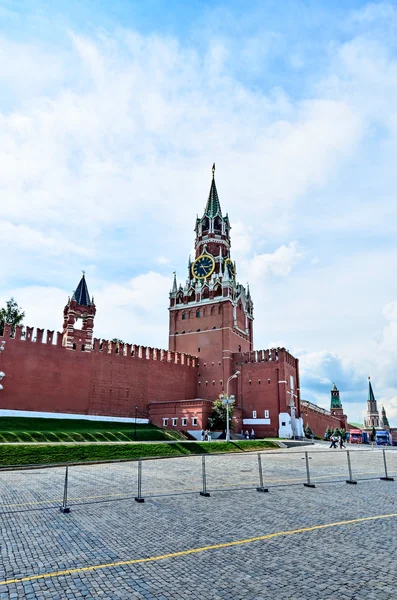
<point x="294" y="543"/>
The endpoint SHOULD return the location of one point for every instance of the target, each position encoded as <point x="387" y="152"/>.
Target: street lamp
<point x="136" y="413"/>
<point x="2" y="374"/>
<point x="228" y="401"/>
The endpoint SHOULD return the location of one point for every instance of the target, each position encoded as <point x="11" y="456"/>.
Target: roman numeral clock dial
<point x="203" y="266"/>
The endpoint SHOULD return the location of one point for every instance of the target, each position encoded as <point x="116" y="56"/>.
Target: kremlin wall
<point x="210" y="339"/>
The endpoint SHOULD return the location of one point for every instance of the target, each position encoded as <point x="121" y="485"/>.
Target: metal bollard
<point x="204" y="476"/>
<point x="260" y="488"/>
<point x="308" y="482"/>
<point x="386" y="478"/>
<point x="139" y="498"/>
<point x="65" y="508"/>
<point x="350" y="480"/>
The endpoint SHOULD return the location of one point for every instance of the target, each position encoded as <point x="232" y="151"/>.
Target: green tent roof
<point x="371" y="396"/>
<point x="213" y="207"/>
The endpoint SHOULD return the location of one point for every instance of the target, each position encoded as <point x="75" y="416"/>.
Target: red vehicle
<point x="356" y="436"/>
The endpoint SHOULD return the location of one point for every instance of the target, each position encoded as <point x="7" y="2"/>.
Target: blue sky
<point x="111" y="115"/>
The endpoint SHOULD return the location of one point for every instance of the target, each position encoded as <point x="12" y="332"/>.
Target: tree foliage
<point x="308" y="431"/>
<point x="217" y="419"/>
<point x="336" y="432"/>
<point x="11" y="314"/>
<point x="328" y="433"/>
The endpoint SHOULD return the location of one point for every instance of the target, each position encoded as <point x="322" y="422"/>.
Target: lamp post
<point x="136" y="413"/>
<point x="2" y="374"/>
<point x="227" y="401"/>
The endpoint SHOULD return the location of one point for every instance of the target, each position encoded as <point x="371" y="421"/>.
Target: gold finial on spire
<point x="213" y="171"/>
<point x="83" y="273"/>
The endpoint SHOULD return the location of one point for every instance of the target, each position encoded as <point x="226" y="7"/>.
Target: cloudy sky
<point x="111" y="115"/>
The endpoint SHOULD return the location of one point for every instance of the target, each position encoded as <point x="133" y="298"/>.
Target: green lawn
<point x="23" y="454"/>
<point x="26" y="429"/>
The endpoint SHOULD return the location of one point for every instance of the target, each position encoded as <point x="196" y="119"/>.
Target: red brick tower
<point x="212" y="315"/>
<point x="79" y="307"/>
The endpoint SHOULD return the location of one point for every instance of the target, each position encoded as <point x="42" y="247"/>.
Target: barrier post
<point x="204" y="477"/>
<point x="260" y="488"/>
<point x="139" y="498"/>
<point x="386" y="477"/>
<point x="308" y="482"/>
<point x="65" y="508"/>
<point x="350" y="480"/>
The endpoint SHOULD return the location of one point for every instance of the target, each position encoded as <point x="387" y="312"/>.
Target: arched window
<point x="192" y="296"/>
<point x="217" y="291"/>
<point x="198" y="314"/>
<point x="206" y="224"/>
<point x="205" y="294"/>
<point x="183" y="316"/>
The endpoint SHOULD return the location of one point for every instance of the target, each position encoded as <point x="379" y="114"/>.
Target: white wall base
<point x="47" y="415"/>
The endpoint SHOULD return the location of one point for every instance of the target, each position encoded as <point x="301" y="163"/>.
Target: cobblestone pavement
<point x="349" y="561"/>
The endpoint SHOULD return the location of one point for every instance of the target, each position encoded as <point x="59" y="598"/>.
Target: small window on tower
<point x="198" y="349"/>
<point x="198" y="314"/>
<point x="221" y="382"/>
<point x="239" y="348"/>
<point x="184" y="316"/>
<point x="213" y="383"/>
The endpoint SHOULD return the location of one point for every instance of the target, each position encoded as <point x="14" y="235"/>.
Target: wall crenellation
<point x="269" y="355"/>
<point x="49" y="337"/>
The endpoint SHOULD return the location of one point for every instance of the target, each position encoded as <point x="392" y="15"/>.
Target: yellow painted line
<point x="196" y="489"/>
<point x="136" y="561"/>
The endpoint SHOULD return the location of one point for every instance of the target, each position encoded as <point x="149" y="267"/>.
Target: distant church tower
<point x="336" y="404"/>
<point x="372" y="419"/>
<point x="384" y="420"/>
<point x="211" y="316"/>
<point x="79" y="307"/>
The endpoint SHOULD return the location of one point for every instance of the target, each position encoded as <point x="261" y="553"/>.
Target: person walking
<point x="341" y="444"/>
<point x="333" y="441"/>
<point x="247" y="435"/>
<point x="206" y="435"/>
<point x="252" y="434"/>
<point x="202" y="435"/>
<point x="209" y="436"/>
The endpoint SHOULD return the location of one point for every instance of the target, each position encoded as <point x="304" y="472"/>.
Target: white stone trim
<point x="256" y="421"/>
<point x="49" y="415"/>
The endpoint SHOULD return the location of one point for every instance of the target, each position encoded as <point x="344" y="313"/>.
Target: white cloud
<point x="105" y="154"/>
<point x="279" y="262"/>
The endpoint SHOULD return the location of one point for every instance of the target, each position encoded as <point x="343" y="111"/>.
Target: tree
<point x="12" y="315"/>
<point x="117" y="341"/>
<point x="308" y="431"/>
<point x="336" y="432"/>
<point x="373" y="434"/>
<point x="217" y="419"/>
<point x="328" y="433"/>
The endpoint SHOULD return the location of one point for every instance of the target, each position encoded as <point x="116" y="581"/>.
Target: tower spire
<point x="81" y="295"/>
<point x="174" y="285"/>
<point x="213" y="206"/>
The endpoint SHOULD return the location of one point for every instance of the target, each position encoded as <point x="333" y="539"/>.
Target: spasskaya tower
<point x="211" y="316"/>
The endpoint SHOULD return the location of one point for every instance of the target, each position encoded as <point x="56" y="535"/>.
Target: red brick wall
<point x="264" y="384"/>
<point x="213" y="347"/>
<point x="50" y="378"/>
<point x="318" y="421"/>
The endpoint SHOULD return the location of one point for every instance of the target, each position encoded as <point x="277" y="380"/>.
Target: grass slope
<point x="30" y="454"/>
<point x="27" y="429"/>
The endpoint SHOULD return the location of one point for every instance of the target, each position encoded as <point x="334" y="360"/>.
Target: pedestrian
<point x="341" y="444"/>
<point x="202" y="435"/>
<point x="247" y="435"/>
<point x="209" y="435"/>
<point x="252" y="434"/>
<point x="206" y="435"/>
<point x="333" y="442"/>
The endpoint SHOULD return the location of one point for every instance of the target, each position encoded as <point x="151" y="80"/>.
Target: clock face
<point x="203" y="266"/>
<point x="230" y="267"/>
